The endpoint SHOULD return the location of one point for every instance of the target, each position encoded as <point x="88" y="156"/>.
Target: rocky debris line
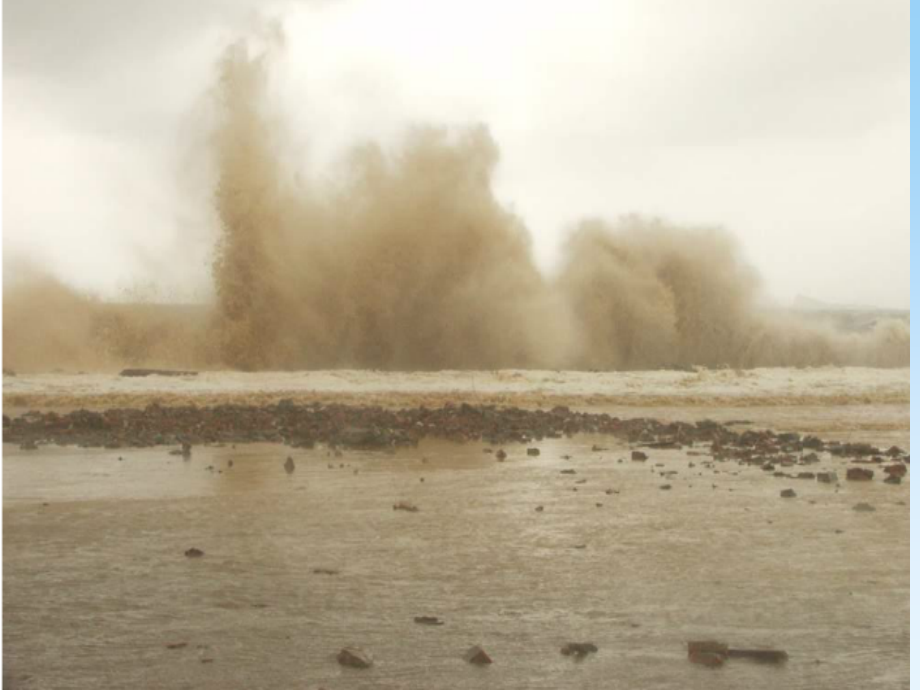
<point x="354" y="658"/>
<point x="344" y="426"/>
<point x="714" y="654"/>
<point x="140" y="373"/>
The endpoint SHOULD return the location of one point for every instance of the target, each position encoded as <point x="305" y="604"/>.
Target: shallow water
<point x="96" y="584"/>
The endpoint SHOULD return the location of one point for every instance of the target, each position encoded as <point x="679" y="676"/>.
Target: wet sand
<point x="96" y="584"/>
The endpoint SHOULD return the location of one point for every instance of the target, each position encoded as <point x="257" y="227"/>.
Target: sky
<point x="785" y="122"/>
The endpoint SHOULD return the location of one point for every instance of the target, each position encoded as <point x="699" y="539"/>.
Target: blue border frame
<point x="913" y="645"/>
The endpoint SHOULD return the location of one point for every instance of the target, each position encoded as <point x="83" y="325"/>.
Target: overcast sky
<point x="787" y="122"/>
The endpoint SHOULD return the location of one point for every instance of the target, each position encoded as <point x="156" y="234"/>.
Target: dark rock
<point x="827" y="477"/>
<point x="579" y="649"/>
<point x="289" y="466"/>
<point x="568" y="472"/>
<point x="864" y="508"/>
<point x="895" y="481"/>
<point x="325" y="571"/>
<point x="428" y="620"/>
<point x="639" y="456"/>
<point x="477" y="655"/>
<point x="896" y="470"/>
<point x="764" y="656"/>
<point x="406" y="507"/>
<point x="352" y="657"/>
<point x="533" y="452"/>
<point x="788" y="493"/>
<point x="665" y="487"/>
<point x="501" y="456"/>
<point x="194" y="553"/>
<point x="859" y="474"/>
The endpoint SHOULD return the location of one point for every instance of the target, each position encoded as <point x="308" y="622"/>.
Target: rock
<point x="177" y="645"/>
<point x="579" y="649"/>
<point x="533" y="452"/>
<point x="325" y="571"/>
<point x="764" y="656"/>
<point x="540" y="509"/>
<point x="805" y="475"/>
<point x="788" y="493"/>
<point x="827" y="477"/>
<point x="289" y="465"/>
<point x="639" y="456"/>
<point x="568" y="472"/>
<point x="665" y="487"/>
<point x="406" y="507"/>
<point x="194" y="553"/>
<point x="428" y="620"/>
<point x="896" y="470"/>
<point x="896" y="481"/>
<point x="864" y="508"/>
<point x="352" y="657"/>
<point x="706" y="659"/>
<point x="28" y="445"/>
<point x="477" y="655"/>
<point x="501" y="456"/>
<point x="859" y="474"/>
<point x="707" y="647"/>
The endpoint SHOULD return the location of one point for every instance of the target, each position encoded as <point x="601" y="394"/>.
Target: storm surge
<point x="402" y="258"/>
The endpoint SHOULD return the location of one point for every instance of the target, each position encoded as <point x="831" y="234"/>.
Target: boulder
<point x="827" y="477"/>
<point x="788" y="493"/>
<point x="194" y="553"/>
<point x="639" y="456"/>
<point x="859" y="474"/>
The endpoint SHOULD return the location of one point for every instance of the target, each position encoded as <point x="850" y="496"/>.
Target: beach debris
<point x="353" y="657"/>
<point x="477" y="656"/>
